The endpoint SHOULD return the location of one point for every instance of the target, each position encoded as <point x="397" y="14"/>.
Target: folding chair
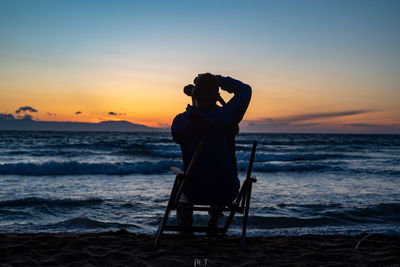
<point x="241" y="204"/>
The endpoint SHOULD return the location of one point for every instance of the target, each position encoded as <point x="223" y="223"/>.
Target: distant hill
<point x="28" y="124"/>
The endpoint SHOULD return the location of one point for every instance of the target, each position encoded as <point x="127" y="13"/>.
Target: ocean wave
<point x="14" y="214"/>
<point x="101" y="145"/>
<point x="325" y="215"/>
<point x="270" y="167"/>
<point x="265" y="157"/>
<point x="144" y="167"/>
<point x="382" y="213"/>
<point x="36" y="201"/>
<point x="79" y="168"/>
<point x="83" y="222"/>
<point x="150" y="152"/>
<point x="270" y="222"/>
<point x="167" y="154"/>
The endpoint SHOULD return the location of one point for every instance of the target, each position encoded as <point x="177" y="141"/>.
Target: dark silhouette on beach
<point x="214" y="180"/>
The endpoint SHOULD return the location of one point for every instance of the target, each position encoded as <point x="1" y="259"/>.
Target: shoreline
<point x="129" y="249"/>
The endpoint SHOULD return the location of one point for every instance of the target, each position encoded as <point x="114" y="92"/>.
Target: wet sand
<point x="122" y="248"/>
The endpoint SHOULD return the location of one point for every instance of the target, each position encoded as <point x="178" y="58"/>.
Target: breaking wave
<point x="78" y="168"/>
<point x="35" y="201"/>
<point x="143" y="167"/>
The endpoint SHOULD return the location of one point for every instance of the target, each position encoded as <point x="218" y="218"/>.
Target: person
<point x="214" y="180"/>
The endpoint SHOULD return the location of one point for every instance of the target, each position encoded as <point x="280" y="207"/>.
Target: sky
<point x="314" y="66"/>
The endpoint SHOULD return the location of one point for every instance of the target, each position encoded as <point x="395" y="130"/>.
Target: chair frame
<point x="241" y="204"/>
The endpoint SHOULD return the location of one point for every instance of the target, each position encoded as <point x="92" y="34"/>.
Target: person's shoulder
<point x="181" y="117"/>
<point x="180" y="121"/>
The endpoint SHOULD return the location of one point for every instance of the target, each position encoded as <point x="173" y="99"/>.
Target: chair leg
<point x="236" y="204"/>
<point x="162" y="225"/>
<point x="228" y="221"/>
<point x="246" y="215"/>
<point x="167" y="212"/>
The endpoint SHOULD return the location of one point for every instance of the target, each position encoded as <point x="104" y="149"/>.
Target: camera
<point x="188" y="89"/>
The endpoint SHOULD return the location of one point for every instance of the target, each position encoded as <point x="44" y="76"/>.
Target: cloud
<point x="308" y="122"/>
<point x="116" y="114"/>
<point x="26" y="117"/>
<point x="78" y="112"/>
<point x="25" y="109"/>
<point x="10" y="117"/>
<point x="363" y="125"/>
<point x="311" y="124"/>
<point x="298" y="119"/>
<point x="6" y="116"/>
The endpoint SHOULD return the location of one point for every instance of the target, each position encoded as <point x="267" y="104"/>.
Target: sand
<point x="122" y="248"/>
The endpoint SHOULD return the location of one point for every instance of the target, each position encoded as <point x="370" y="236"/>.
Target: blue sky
<point x="300" y="57"/>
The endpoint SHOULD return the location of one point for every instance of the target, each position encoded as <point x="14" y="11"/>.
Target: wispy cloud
<point x="25" y="109"/>
<point x="363" y="125"/>
<point x="316" y="122"/>
<point x="298" y="119"/>
<point x="116" y="114"/>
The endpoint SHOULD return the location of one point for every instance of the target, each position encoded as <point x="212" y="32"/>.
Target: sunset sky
<point x="314" y="66"/>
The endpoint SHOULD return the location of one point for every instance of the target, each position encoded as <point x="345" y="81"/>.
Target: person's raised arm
<point x="241" y="99"/>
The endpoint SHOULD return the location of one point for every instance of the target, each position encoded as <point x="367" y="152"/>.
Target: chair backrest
<point x="187" y="174"/>
<point x="249" y="170"/>
<point x="252" y="155"/>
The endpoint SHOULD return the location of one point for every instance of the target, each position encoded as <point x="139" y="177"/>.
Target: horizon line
<point x="167" y="128"/>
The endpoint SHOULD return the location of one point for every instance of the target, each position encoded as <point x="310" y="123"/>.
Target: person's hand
<point x="223" y="83"/>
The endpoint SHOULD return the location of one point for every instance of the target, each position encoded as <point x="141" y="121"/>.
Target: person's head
<point x="206" y="89"/>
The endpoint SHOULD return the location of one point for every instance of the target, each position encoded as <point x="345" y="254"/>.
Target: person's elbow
<point x="247" y="91"/>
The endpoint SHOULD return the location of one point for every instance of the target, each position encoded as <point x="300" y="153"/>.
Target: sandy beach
<point x="123" y="248"/>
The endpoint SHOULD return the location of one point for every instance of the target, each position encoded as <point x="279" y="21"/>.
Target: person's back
<point x="214" y="179"/>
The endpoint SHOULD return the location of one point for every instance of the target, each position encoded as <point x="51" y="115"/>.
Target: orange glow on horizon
<point x="154" y="100"/>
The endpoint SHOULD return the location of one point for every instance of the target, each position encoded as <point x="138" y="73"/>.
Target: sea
<point x="105" y="181"/>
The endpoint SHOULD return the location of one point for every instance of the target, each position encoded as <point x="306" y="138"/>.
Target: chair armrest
<point x="175" y="170"/>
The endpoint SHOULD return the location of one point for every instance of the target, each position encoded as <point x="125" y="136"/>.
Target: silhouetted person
<point x="214" y="180"/>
